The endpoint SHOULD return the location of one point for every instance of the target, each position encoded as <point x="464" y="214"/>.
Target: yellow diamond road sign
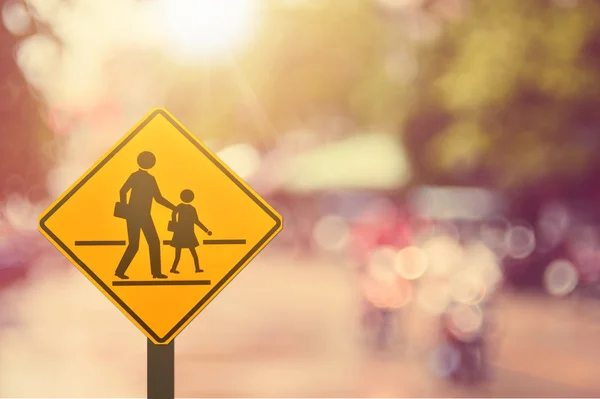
<point x="160" y="225"/>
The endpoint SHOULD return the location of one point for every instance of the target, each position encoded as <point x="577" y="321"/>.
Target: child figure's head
<point x="187" y="196"/>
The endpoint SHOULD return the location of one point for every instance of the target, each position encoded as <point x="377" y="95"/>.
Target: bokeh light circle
<point x="521" y="241"/>
<point x="16" y="18"/>
<point x="382" y="263"/>
<point x="433" y="298"/>
<point x="411" y="263"/>
<point x="467" y="320"/>
<point x="331" y="233"/>
<point x="443" y="255"/>
<point x="387" y="294"/>
<point x="560" y="277"/>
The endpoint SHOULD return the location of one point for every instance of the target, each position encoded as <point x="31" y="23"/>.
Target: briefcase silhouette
<point x="121" y="210"/>
<point x="172" y="225"/>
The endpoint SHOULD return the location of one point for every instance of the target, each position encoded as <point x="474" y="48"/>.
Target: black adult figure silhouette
<point x="144" y="190"/>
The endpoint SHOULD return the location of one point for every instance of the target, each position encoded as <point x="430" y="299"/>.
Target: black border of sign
<point x="211" y="293"/>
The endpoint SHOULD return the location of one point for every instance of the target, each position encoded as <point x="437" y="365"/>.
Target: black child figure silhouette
<point x="184" y="218"/>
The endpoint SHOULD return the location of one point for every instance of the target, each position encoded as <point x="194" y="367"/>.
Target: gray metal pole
<point x="161" y="371"/>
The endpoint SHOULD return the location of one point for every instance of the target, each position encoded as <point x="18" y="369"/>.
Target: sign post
<point x="161" y="371"/>
<point x="201" y="223"/>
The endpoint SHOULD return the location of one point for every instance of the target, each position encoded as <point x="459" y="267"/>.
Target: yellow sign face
<point x="160" y="225"/>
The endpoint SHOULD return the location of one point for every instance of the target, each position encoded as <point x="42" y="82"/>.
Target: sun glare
<point x="207" y="27"/>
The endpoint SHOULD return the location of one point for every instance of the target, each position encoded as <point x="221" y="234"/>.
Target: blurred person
<point x="391" y="228"/>
<point x="471" y="347"/>
<point x="394" y="229"/>
<point x="364" y="239"/>
<point x="388" y="229"/>
<point x="384" y="328"/>
<point x="378" y="319"/>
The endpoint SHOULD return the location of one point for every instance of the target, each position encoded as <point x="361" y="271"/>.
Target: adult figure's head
<point x="187" y="196"/>
<point x="146" y="160"/>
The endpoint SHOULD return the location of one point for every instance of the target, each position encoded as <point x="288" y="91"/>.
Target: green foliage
<point x="514" y="77"/>
<point x="507" y="96"/>
<point x="304" y="63"/>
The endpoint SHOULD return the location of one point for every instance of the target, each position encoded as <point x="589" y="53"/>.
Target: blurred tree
<point x="312" y="58"/>
<point x="507" y="96"/>
<point x="25" y="147"/>
<point x="309" y="61"/>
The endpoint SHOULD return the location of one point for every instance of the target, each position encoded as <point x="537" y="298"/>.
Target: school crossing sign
<point x="160" y="225"/>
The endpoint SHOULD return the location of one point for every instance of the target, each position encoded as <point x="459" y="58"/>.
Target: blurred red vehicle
<point x="18" y="252"/>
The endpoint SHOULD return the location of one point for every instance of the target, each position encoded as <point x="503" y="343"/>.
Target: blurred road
<point x="279" y="329"/>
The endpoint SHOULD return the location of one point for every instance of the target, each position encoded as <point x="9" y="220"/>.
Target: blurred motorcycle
<point x="373" y="246"/>
<point x="17" y="251"/>
<point x="383" y="307"/>
<point x="463" y="331"/>
<point x="378" y="324"/>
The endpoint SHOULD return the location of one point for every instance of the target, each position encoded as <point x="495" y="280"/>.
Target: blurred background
<point x="434" y="162"/>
